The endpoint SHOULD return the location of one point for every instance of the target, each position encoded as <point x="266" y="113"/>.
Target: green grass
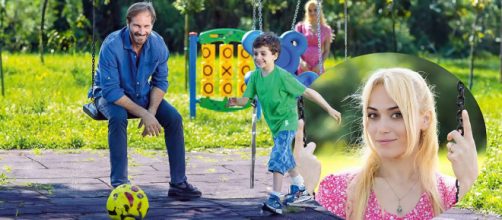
<point x="42" y="109"/>
<point x="486" y="194"/>
<point x="4" y="179"/>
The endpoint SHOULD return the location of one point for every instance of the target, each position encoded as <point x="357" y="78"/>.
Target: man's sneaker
<point x="273" y="204"/>
<point x="183" y="191"/>
<point x="297" y="195"/>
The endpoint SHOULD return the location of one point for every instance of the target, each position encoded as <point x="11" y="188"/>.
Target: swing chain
<point x="93" y="50"/>
<point x="296" y="15"/>
<point x="319" y="2"/>
<point x="260" y="15"/>
<point x="254" y="14"/>
<point x="460" y="106"/>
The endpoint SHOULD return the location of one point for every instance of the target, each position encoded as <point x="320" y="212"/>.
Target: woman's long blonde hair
<point x="414" y="98"/>
<point x="306" y="18"/>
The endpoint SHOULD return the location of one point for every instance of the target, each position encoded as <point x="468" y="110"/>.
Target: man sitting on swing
<point x="128" y="59"/>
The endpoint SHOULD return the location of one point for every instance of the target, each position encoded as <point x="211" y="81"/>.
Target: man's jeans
<point x="169" y="119"/>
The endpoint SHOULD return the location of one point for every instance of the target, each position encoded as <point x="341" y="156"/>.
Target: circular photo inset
<point x="404" y="147"/>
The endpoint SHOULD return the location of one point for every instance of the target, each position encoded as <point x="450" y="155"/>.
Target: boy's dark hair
<point x="270" y="40"/>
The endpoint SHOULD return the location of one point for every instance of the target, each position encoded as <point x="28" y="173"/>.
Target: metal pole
<point x="253" y="145"/>
<point x="319" y="43"/>
<point x="185" y="50"/>
<point x="191" y="71"/>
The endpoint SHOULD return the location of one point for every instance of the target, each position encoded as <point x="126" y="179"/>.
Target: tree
<point x="42" y="21"/>
<point x="393" y="16"/>
<point x="477" y="26"/>
<point x="188" y="7"/>
<point x="2" y="10"/>
<point x="396" y="9"/>
<point x="345" y="14"/>
<point x="429" y="24"/>
<point x="61" y="37"/>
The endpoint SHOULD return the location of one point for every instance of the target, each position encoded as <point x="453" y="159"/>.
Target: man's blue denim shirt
<point x="118" y="74"/>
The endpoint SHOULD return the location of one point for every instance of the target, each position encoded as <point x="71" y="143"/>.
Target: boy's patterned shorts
<point x="281" y="157"/>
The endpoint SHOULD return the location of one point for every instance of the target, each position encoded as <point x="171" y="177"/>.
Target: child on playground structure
<point x="277" y="91"/>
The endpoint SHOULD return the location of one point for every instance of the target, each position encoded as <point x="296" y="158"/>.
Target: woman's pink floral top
<point x="332" y="195"/>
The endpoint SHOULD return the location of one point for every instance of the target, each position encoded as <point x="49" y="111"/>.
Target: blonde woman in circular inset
<point x="399" y="178"/>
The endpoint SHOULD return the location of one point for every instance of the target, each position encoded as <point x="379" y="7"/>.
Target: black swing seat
<point x="91" y="108"/>
<point x="92" y="111"/>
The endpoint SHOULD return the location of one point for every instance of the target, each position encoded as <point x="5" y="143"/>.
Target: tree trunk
<point x="473" y="50"/>
<point x="87" y="7"/>
<point x="394" y="40"/>
<point x="1" y="65"/>
<point x="1" y="42"/>
<point x="41" y="46"/>
<point x="345" y="14"/>
<point x="185" y="50"/>
<point x="500" y="53"/>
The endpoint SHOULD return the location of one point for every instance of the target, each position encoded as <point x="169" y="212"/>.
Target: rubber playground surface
<point x="75" y="185"/>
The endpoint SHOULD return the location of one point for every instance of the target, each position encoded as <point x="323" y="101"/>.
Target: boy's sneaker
<point x="183" y="191"/>
<point x="273" y="204"/>
<point x="297" y="195"/>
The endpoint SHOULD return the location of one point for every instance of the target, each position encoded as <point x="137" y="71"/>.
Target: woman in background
<point x="310" y="59"/>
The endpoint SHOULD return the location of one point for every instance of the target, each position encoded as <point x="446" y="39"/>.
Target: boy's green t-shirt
<point x="277" y="93"/>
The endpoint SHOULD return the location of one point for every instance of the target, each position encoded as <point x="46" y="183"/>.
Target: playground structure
<point x="222" y="79"/>
<point x="216" y="87"/>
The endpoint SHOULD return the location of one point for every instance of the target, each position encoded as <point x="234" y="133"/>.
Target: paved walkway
<point x="75" y="185"/>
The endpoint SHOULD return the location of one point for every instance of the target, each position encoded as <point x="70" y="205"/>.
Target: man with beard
<point x="131" y="79"/>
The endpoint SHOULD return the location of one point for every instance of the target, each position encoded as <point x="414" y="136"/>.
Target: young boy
<point x="277" y="91"/>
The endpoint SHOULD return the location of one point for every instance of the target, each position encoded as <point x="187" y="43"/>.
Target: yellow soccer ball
<point x="127" y="202"/>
